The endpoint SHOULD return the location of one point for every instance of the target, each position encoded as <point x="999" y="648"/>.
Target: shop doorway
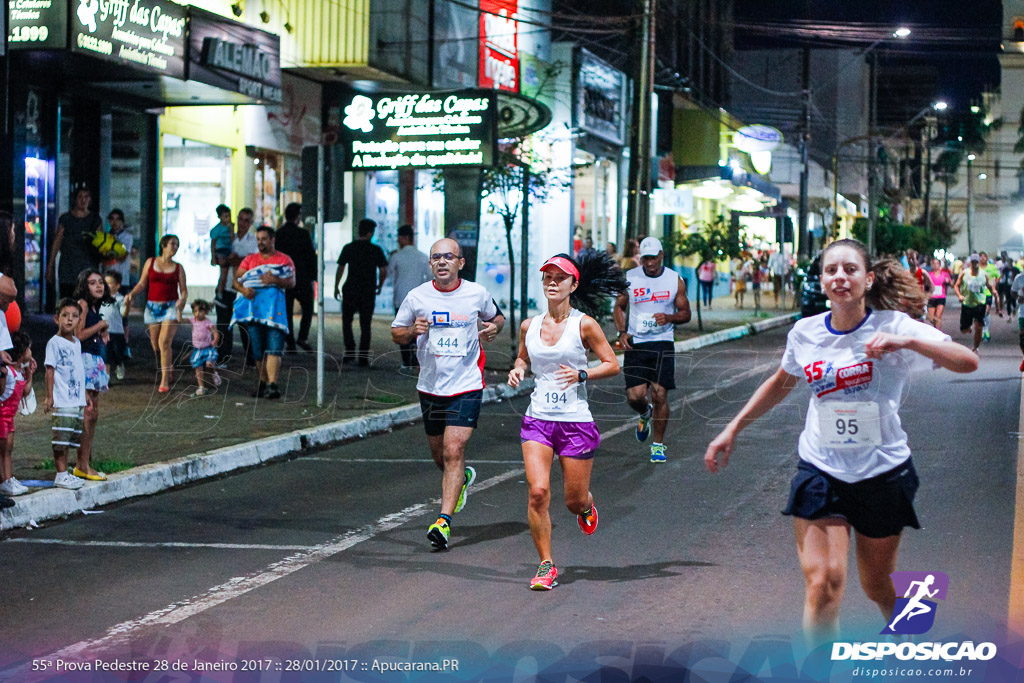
<point x="196" y="177"/>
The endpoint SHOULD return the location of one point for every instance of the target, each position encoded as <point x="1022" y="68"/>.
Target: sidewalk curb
<point x="147" y="480"/>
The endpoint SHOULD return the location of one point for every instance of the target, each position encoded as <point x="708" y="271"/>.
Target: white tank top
<point x="647" y="296"/>
<point x="549" y="401"/>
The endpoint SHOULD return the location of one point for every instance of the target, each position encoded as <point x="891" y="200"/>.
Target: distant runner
<point x="656" y="302"/>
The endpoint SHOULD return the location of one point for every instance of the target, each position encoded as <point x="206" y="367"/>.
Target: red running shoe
<point x="546" y="578"/>
<point x="588" y="523"/>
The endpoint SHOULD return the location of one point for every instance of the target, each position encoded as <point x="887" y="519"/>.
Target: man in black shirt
<point x="359" y="294"/>
<point x="296" y="242"/>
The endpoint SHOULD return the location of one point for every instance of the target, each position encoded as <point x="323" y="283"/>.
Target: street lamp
<point x="901" y="33"/>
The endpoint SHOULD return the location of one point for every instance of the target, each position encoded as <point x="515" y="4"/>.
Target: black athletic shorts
<point x="650" y="363"/>
<point x="936" y="301"/>
<point x="877" y="507"/>
<point x="461" y="410"/>
<point x="971" y="314"/>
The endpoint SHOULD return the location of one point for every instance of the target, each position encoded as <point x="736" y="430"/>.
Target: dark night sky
<point x="953" y="56"/>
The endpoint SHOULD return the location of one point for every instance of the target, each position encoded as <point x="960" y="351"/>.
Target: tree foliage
<point x="711" y="241"/>
<point x="895" y="238"/>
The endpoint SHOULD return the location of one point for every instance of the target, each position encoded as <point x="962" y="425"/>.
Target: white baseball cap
<point x="651" y="246"/>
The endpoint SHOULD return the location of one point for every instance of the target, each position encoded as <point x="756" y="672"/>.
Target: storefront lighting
<point x="761" y="161"/>
<point x="256" y="162"/>
<point x="746" y="203"/>
<point x="711" y="190"/>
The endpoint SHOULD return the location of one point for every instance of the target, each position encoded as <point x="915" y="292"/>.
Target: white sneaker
<point x="66" y="480"/>
<point x="13" y="487"/>
<point x="119" y="372"/>
<point x="216" y="378"/>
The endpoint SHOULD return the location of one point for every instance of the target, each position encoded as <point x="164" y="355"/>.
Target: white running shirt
<point x="549" y="401"/>
<point x="451" y="360"/>
<point x="846" y="385"/>
<point x="647" y="296"/>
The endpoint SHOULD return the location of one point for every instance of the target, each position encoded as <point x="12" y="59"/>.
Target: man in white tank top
<point x="441" y="316"/>
<point x="645" y="317"/>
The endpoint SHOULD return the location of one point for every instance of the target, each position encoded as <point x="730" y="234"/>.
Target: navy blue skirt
<point x="877" y="507"/>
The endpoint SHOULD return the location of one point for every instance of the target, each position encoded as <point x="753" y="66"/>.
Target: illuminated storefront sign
<point x="144" y="33"/>
<point x="499" y="49"/>
<point x="678" y="202"/>
<point x="418" y="130"/>
<point x="232" y="56"/>
<point x="37" y="24"/>
<point x="757" y="138"/>
<point x="600" y="96"/>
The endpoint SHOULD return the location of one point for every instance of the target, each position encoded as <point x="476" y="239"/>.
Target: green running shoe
<point x="470" y="478"/>
<point x="438" y="534"/>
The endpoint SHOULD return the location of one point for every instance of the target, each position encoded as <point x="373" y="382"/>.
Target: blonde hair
<point x="894" y="288"/>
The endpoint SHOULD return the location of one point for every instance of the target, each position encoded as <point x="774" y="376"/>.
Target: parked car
<point x="812" y="297"/>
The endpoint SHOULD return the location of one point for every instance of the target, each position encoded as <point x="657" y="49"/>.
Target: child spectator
<point x="221" y="236"/>
<point x="92" y="293"/>
<point x="65" y="391"/>
<point x="117" y="347"/>
<point x="17" y="380"/>
<point x="204" y="342"/>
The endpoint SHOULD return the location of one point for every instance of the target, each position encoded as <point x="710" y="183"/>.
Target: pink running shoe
<point x="546" y="578"/>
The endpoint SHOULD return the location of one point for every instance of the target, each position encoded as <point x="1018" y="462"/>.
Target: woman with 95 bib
<point x="558" y="420"/>
<point x="855" y="468"/>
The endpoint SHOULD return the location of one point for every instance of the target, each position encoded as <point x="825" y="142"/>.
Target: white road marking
<point x="121" y="633"/>
<point x="130" y="544"/>
<point x="179" y="611"/>
<point x="383" y="461"/>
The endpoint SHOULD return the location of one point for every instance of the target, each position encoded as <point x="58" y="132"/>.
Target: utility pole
<point x="805" y="143"/>
<point x="872" y="157"/>
<point x="928" y="174"/>
<point x="638" y="198"/>
<point x="970" y="201"/>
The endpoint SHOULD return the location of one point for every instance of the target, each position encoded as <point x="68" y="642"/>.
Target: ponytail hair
<point x="600" y="279"/>
<point x="894" y="288"/>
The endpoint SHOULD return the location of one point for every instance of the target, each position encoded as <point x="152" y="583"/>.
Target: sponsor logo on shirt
<point x="443" y="318"/>
<point x="825" y="379"/>
<point x="646" y="294"/>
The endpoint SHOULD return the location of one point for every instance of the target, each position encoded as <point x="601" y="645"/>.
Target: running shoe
<point x="588" y="522"/>
<point x="643" y="427"/>
<point x="119" y="372"/>
<point x="438" y="534"/>
<point x="546" y="577"/>
<point x="470" y="478"/>
<point x="13" y="487"/>
<point x="658" y="453"/>
<point x="985" y="335"/>
<point x="66" y="480"/>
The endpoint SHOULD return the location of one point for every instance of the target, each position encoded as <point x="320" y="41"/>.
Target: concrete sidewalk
<point x="165" y="440"/>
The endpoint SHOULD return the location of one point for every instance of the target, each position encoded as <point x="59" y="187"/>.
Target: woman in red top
<point x="165" y="300"/>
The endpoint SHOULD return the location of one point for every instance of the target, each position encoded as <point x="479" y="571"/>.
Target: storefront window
<point x="129" y="159"/>
<point x="382" y="206"/>
<point x="196" y="178"/>
<point x="38" y="194"/>
<point x="268" y="173"/>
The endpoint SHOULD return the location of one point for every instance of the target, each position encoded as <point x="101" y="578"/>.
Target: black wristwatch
<point x="582" y="377"/>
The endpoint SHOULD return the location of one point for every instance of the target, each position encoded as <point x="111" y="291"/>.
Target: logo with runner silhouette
<point x="914" y="612"/>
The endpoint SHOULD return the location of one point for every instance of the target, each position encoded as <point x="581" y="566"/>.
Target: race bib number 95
<point x="849" y="424"/>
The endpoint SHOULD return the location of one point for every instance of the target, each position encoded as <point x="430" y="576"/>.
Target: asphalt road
<point x="322" y="561"/>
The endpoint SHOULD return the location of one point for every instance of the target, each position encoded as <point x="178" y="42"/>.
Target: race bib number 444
<point x="447" y="341"/>
<point x="849" y="424"/>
